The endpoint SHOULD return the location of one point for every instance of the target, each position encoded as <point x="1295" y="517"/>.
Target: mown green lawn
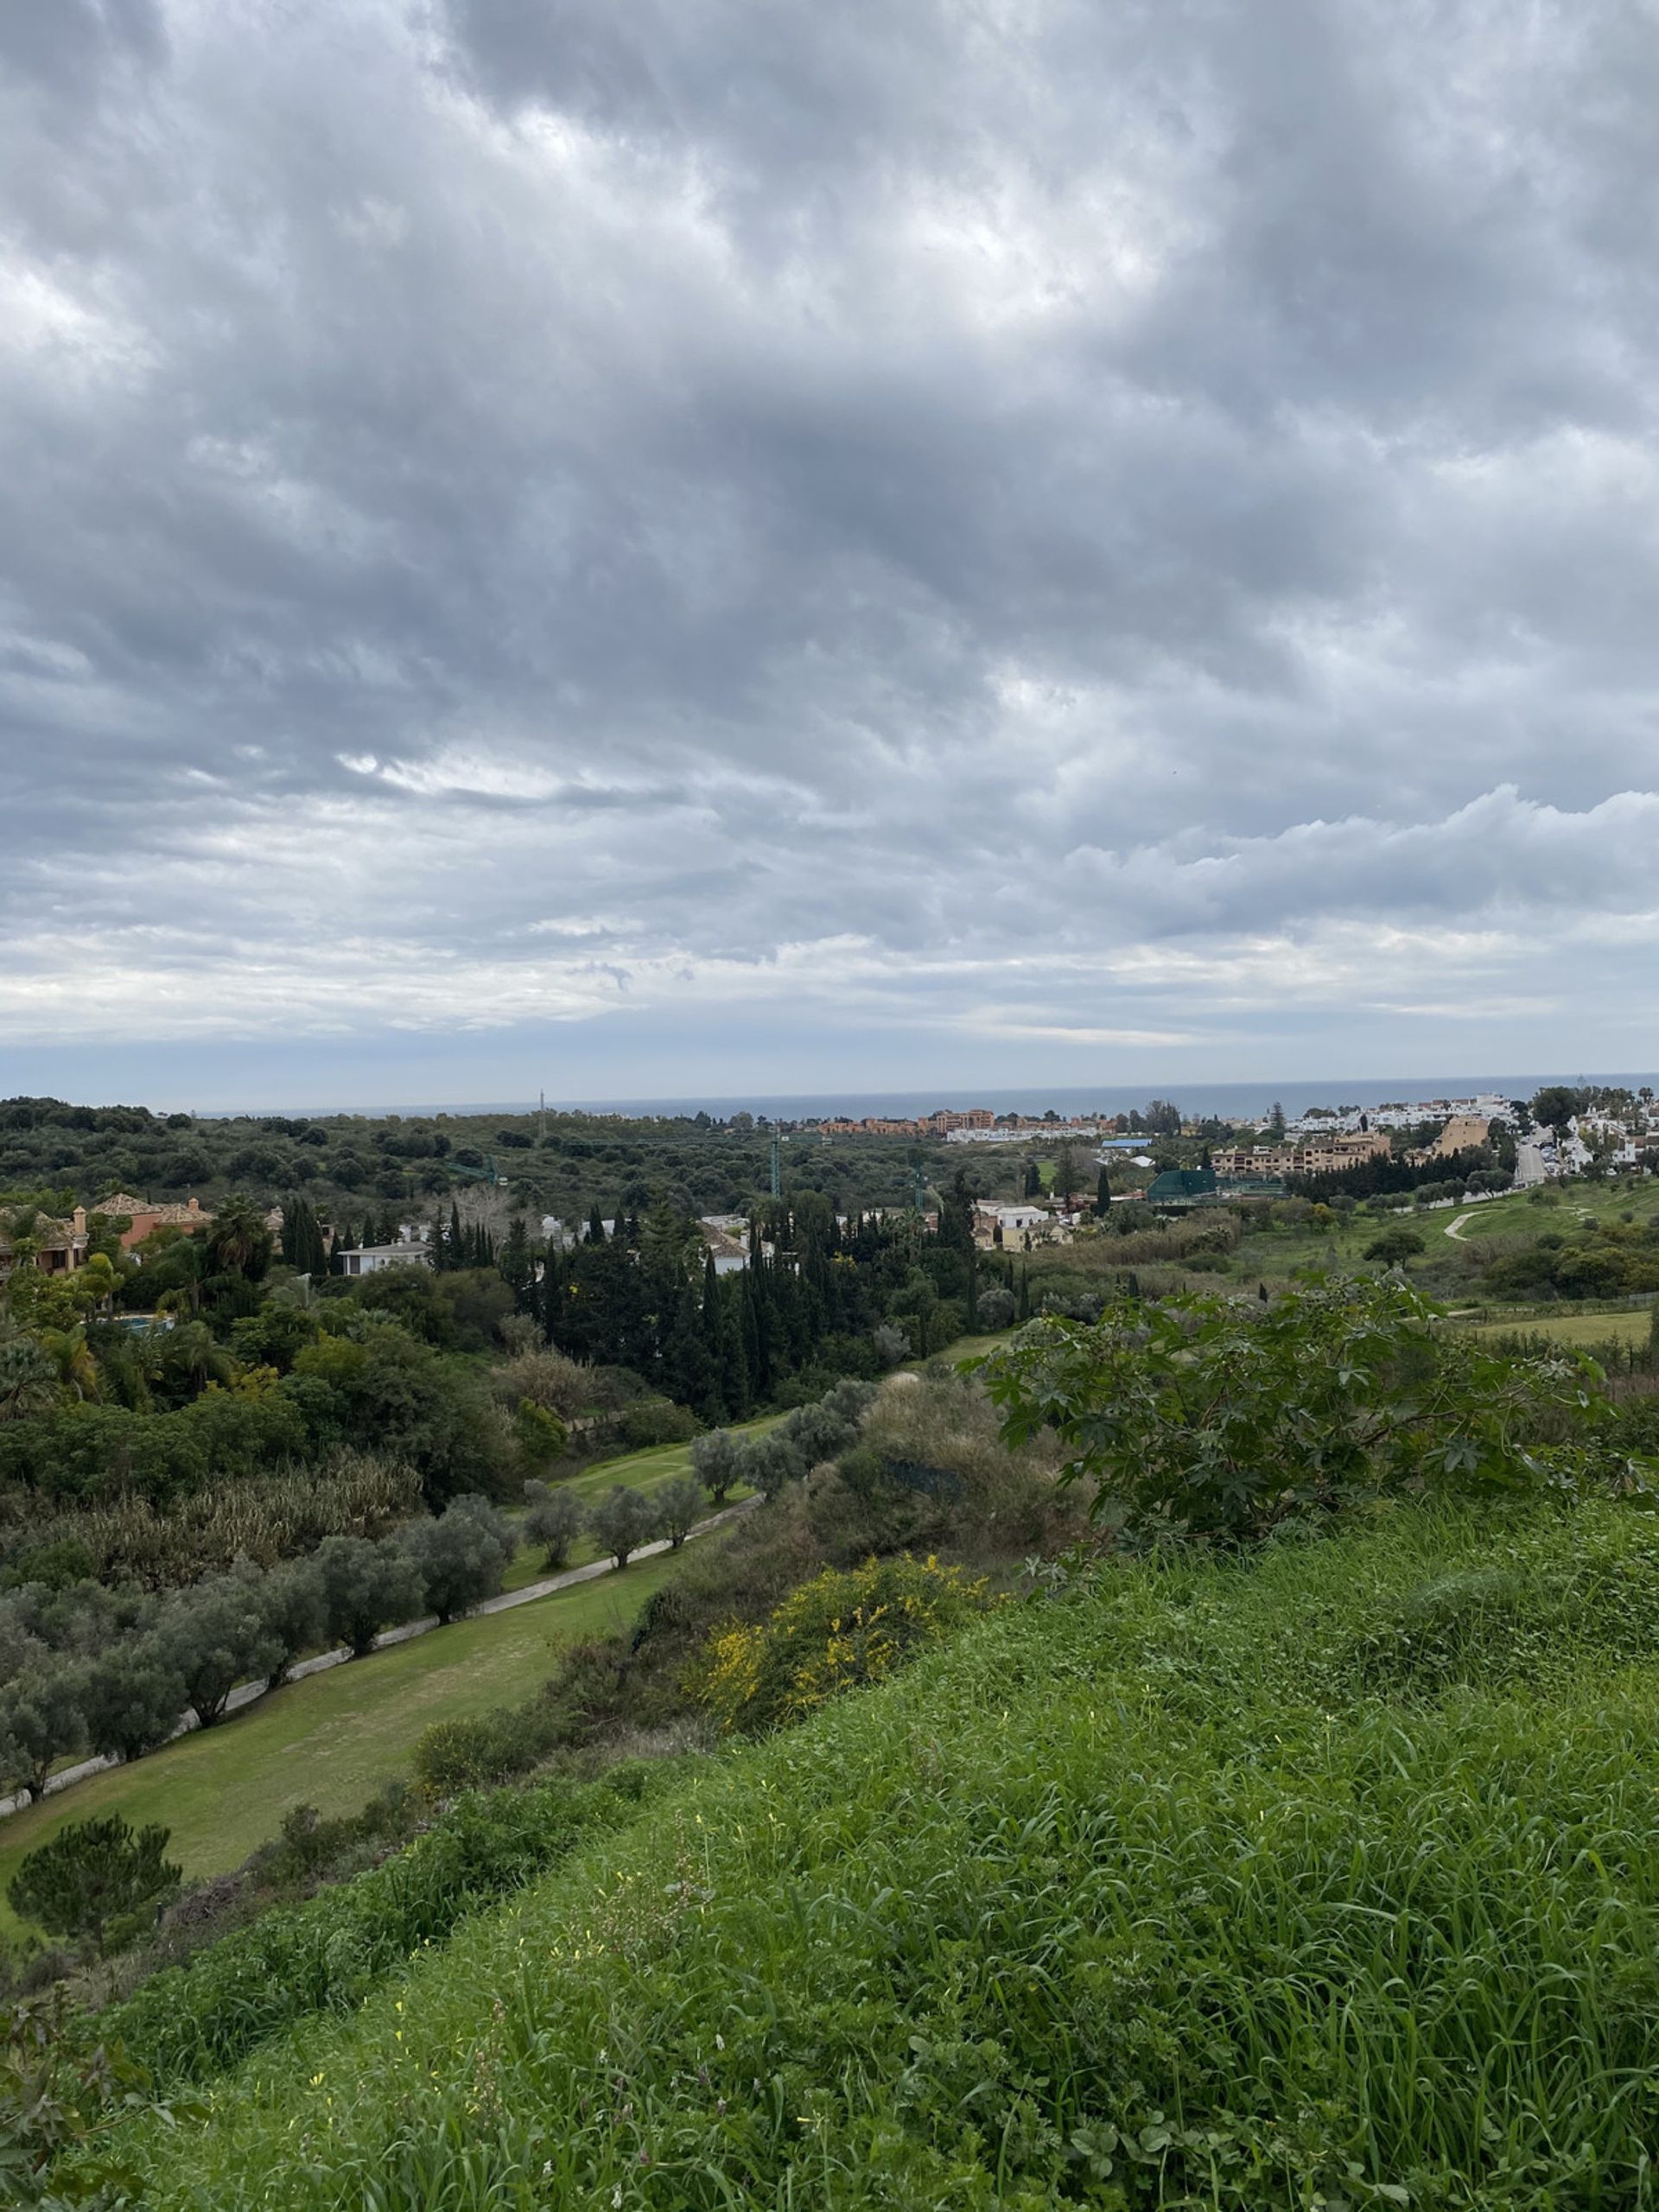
<point x="1579" y="1330"/>
<point x="646" y="1471"/>
<point x="1518" y="1217"/>
<point x="333" y="1739"/>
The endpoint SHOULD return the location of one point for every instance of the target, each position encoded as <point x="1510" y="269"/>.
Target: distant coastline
<point x="1223" y="1100"/>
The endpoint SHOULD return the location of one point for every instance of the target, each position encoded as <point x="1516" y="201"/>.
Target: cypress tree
<point x="1022" y="1305"/>
<point x="1103" y="1195"/>
<point x="734" y="1358"/>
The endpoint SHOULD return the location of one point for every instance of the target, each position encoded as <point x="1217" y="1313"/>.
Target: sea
<point x="1197" y="1101"/>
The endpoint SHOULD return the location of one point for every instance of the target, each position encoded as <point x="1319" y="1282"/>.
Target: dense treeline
<point x="351" y="1163"/>
<point x="1480" y="1167"/>
<point x="805" y="1309"/>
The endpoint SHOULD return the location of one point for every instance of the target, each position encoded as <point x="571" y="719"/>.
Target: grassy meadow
<point x="1326" y="1877"/>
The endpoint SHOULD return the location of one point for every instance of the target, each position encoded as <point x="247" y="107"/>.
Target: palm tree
<point x="70" y="1353"/>
<point x="238" y="1241"/>
<point x="29" y="1383"/>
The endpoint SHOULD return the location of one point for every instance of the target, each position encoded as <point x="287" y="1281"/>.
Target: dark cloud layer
<point x="1009" y="521"/>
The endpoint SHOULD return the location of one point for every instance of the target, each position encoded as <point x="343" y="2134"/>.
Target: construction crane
<point x="487" y="1174"/>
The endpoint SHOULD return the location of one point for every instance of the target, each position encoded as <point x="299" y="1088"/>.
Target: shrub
<point x="547" y="1379"/>
<point x="92" y="1872"/>
<point x="657" y="1421"/>
<point x="836" y="1632"/>
<point x="996" y="1308"/>
<point x="891" y="1343"/>
<point x="543" y="1437"/>
<point x="1395" y="1246"/>
<point x="455" y="1755"/>
<point x="1201" y="1417"/>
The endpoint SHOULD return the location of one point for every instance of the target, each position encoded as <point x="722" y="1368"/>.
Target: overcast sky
<point x="724" y="544"/>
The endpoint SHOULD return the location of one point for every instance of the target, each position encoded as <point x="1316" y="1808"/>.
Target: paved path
<point x="1455" y="1229"/>
<point x="251" y="1692"/>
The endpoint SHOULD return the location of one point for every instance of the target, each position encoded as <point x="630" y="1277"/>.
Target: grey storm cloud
<point x="948" y="514"/>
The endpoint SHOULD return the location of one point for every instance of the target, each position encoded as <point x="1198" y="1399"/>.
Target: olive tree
<point x="679" y="1507"/>
<point x="771" y="1461"/>
<point x="553" y="1519"/>
<point x="216" y="1636"/>
<point x="365" y="1588"/>
<point x="715" y="1460"/>
<point x="462" y="1557"/>
<point x="132" y="1699"/>
<point x="622" y="1520"/>
<point x="41" y="1722"/>
<point x="293" y="1609"/>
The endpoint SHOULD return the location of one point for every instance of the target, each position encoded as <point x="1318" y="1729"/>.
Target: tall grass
<point x="261" y="1518"/>
<point x="1327" y="1879"/>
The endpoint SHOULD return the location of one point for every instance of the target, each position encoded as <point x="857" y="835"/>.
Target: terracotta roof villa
<point x="145" y="1216"/>
<point x="59" y="1246"/>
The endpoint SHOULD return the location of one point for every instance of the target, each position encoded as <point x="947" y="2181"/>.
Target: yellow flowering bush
<point x="836" y="1632"/>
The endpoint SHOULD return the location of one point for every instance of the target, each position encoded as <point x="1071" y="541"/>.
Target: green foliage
<point x="541" y="1436"/>
<point x="131" y="1697"/>
<point x="1201" y="1417"/>
<point x="622" y="1520"/>
<point x="1395" y="1246"/>
<point x="462" y="1557"/>
<point x="716" y="1458"/>
<point x="838" y="1632"/>
<point x="365" y="1588"/>
<point x="679" y="1507"/>
<point x="654" y="1422"/>
<point x="324" y="1956"/>
<point x="770" y="1461"/>
<point x="41" y="1721"/>
<point x="554" y="1518"/>
<point x="215" y="1636"/>
<point x="490" y="1748"/>
<point x="92" y="1874"/>
<point x="1172" y="1888"/>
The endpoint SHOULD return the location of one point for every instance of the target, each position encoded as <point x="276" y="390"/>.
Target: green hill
<point x="1327" y="1879"/>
